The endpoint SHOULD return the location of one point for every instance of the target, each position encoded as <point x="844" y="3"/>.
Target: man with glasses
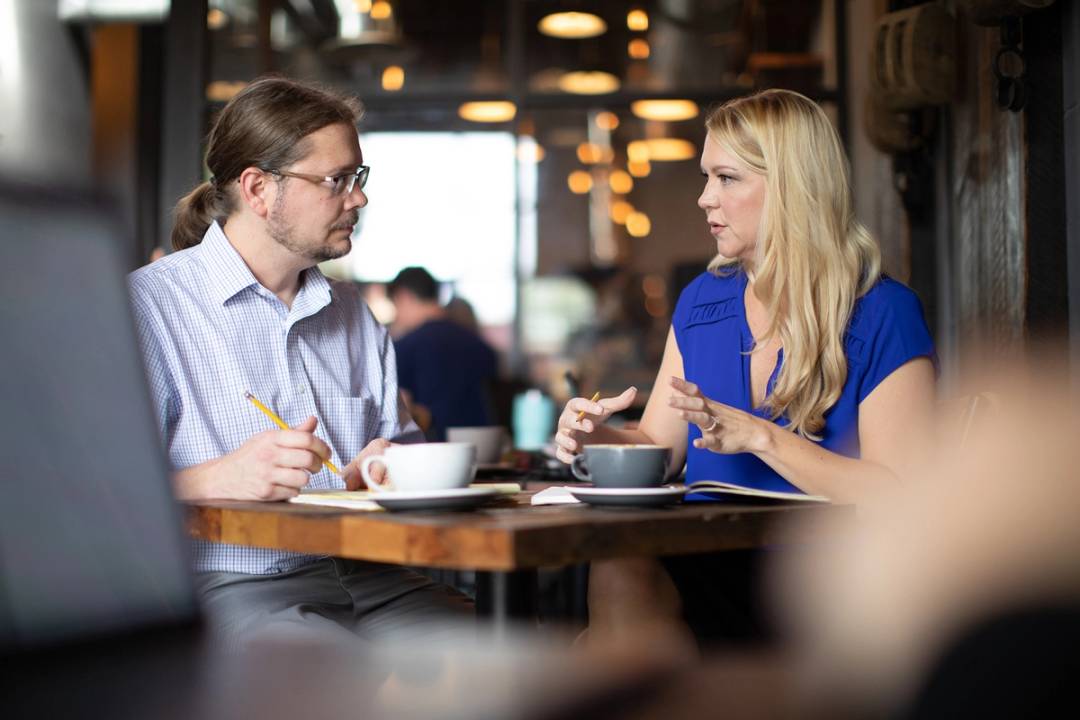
<point x="241" y="307"/>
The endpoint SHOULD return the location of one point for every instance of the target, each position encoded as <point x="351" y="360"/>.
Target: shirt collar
<point x="229" y="274"/>
<point x="227" y="271"/>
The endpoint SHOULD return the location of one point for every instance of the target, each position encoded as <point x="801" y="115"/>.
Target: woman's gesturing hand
<point x="723" y="428"/>
<point x="568" y="436"/>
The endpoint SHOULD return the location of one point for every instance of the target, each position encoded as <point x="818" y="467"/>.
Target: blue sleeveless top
<point x="886" y="330"/>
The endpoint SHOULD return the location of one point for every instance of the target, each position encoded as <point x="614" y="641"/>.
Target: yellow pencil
<point x="281" y="423"/>
<point x="595" y="397"/>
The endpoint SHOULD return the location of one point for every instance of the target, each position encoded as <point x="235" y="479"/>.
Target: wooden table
<point x="508" y="541"/>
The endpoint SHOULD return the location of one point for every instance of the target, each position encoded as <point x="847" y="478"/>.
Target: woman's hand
<point x="568" y="436"/>
<point x="723" y="428"/>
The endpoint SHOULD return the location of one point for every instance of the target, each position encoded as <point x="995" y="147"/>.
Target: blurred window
<point x="444" y="201"/>
<point x="553" y="308"/>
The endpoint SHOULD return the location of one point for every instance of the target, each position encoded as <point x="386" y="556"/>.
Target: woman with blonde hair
<point x="792" y="363"/>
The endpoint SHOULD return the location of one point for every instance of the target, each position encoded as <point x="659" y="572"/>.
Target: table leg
<point x="505" y="597"/>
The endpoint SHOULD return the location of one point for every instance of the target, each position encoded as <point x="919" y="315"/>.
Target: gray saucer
<point x="629" y="497"/>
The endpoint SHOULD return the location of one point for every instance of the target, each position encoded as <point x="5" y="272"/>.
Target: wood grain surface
<point x="512" y="535"/>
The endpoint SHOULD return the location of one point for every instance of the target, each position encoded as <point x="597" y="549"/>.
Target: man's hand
<point x="272" y="465"/>
<point x="351" y="472"/>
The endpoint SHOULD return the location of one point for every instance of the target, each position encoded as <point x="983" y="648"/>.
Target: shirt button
<point x="300" y="389"/>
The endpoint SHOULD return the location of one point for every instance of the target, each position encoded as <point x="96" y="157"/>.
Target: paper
<point x="718" y="489"/>
<point x="361" y="499"/>
<point x="558" y="495"/>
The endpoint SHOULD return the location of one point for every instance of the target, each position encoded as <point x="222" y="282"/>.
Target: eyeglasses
<point x="342" y="184"/>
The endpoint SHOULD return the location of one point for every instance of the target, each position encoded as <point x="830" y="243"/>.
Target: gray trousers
<point x="371" y="600"/>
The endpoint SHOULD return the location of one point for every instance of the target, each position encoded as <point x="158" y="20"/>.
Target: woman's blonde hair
<point x="813" y="258"/>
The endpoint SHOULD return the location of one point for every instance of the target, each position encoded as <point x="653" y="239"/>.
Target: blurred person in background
<point x="443" y="366"/>
<point x="241" y="306"/>
<point x="792" y="364"/>
<point x="460" y="311"/>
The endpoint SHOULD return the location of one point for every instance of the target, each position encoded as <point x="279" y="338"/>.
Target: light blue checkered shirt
<point x="209" y="331"/>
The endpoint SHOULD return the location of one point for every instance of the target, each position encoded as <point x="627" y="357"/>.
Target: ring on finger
<point x="713" y="421"/>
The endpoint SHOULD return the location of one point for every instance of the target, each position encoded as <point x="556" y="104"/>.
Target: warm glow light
<point x="529" y="151"/>
<point x="393" y="78"/>
<point x="580" y="182"/>
<point x="492" y="111"/>
<point x="637" y="20"/>
<point x="381" y="10"/>
<point x="656" y="306"/>
<point x="620" y="182"/>
<point x="573" y="25"/>
<point x="216" y="19"/>
<point x="607" y="120"/>
<point x="619" y="211"/>
<point x="637" y="151"/>
<point x="589" y="153"/>
<point x="362" y="6"/>
<point x="670" y="149"/>
<point x="637" y="224"/>
<point x="640" y="168"/>
<point x="223" y="90"/>
<point x="638" y="49"/>
<point x="654" y="285"/>
<point x="666" y="110"/>
<point x="588" y="82"/>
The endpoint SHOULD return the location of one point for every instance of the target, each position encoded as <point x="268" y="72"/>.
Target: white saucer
<point x="636" y="497"/>
<point x="453" y="499"/>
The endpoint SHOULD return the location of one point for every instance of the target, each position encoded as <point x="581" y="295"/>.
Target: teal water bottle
<point x="534" y="420"/>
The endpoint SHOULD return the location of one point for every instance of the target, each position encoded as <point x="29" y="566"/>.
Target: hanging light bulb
<point x="638" y="49"/>
<point x="637" y="20"/>
<point x="620" y="182"/>
<point x="619" y="211"/>
<point x="639" y="168"/>
<point x="580" y="182"/>
<point x="607" y="120"/>
<point x="393" y="78"/>
<point x="637" y="224"/>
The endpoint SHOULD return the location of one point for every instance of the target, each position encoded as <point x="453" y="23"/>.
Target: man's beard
<point x="284" y="233"/>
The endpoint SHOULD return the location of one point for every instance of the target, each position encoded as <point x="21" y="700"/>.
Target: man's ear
<point x="257" y="191"/>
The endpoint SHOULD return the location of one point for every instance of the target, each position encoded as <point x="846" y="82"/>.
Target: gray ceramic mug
<point x="622" y="466"/>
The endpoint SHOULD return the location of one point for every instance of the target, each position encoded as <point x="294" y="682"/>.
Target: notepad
<point x="717" y="490"/>
<point x="361" y="499"/>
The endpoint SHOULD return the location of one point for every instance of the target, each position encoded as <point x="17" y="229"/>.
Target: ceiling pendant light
<point x="588" y="82"/>
<point x="492" y="111"/>
<point x="572" y="25"/>
<point x="666" y="110"/>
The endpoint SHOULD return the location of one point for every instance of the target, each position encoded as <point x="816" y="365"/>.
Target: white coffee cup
<point x="490" y="441"/>
<point x="423" y="466"/>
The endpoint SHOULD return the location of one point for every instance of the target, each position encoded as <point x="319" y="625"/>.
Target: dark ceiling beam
<point x="558" y="101"/>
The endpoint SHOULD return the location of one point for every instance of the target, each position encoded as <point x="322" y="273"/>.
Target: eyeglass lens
<point x="346" y="183"/>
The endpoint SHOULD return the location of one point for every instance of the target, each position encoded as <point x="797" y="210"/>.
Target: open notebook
<point x="362" y="499"/>
<point x="717" y="490"/>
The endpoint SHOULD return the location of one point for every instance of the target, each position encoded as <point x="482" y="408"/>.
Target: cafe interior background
<point x="548" y="175"/>
<point x="547" y="172"/>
